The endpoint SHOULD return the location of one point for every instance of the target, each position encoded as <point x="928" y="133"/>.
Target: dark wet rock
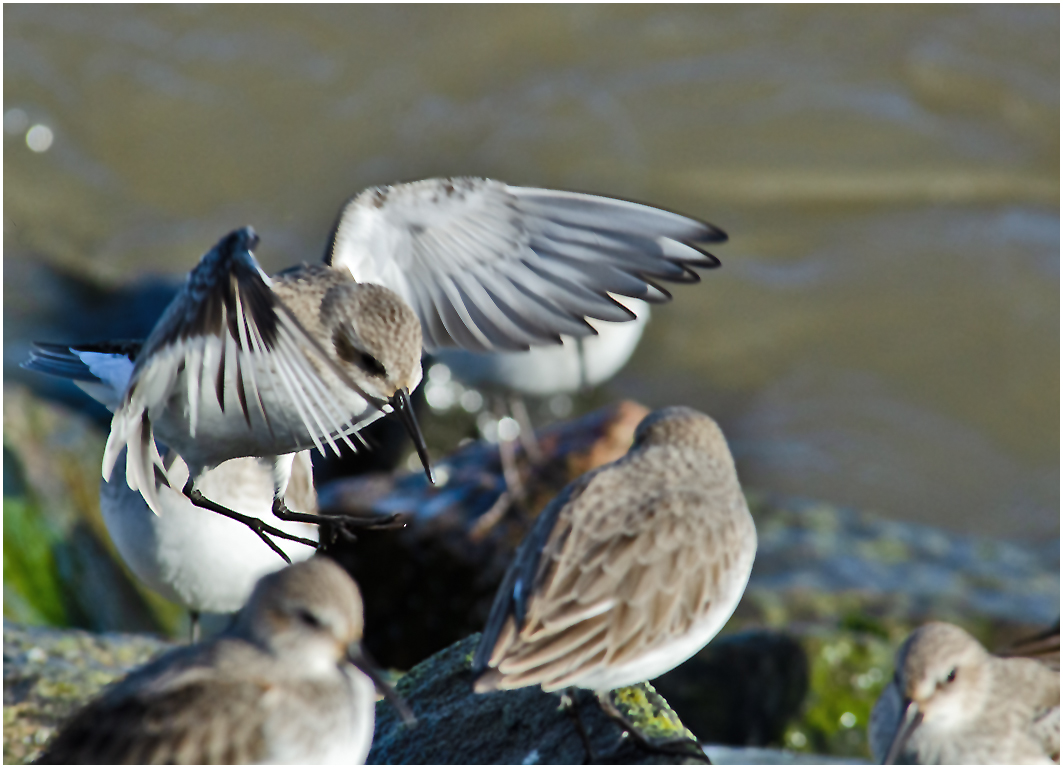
<point x="49" y="673"/>
<point x="741" y="689"/>
<point x="525" y="726"/>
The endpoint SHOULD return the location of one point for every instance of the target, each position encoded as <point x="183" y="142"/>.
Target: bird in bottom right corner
<point x="629" y="572"/>
<point x="952" y="702"/>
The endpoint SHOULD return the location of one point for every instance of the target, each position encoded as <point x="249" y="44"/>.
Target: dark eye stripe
<point x="373" y="365"/>
<point x="348" y="352"/>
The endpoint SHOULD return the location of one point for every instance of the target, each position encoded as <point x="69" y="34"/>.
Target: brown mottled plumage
<point x="365" y="328"/>
<point x="951" y="701"/>
<point x="630" y="570"/>
<point x="276" y="688"/>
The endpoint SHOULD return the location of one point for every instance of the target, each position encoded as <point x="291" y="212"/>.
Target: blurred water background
<point x="884" y="332"/>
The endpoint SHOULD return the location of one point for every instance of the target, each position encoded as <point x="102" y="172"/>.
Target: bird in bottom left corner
<point x="288" y="683"/>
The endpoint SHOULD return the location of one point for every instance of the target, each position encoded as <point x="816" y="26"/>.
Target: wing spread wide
<point x="488" y="266"/>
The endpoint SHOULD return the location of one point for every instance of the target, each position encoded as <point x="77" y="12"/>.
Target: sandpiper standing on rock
<point x="287" y="684"/>
<point x="952" y="702"/>
<point x="630" y="571"/>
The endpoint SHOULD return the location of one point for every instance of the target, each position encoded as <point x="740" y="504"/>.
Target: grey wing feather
<point x="226" y="326"/>
<point x="488" y="266"/>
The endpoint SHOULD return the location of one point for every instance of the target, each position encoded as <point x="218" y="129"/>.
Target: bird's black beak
<point x="401" y="403"/>
<point x="357" y="656"/>
<point x="909" y="722"/>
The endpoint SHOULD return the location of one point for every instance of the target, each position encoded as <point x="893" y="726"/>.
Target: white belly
<point x="336" y="731"/>
<point x="671" y="654"/>
<point x="190" y="555"/>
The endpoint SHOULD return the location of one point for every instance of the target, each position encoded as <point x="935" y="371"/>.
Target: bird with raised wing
<point x="952" y="702"/>
<point x="488" y="267"/>
<point x="542" y="291"/>
<point x="288" y="683"/>
<point x="630" y="571"/>
<point x="244" y="365"/>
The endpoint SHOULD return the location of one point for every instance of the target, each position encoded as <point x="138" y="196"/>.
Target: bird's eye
<point x="373" y="365"/>
<point x="951" y="676"/>
<point x="308" y="618"/>
<point x="351" y="354"/>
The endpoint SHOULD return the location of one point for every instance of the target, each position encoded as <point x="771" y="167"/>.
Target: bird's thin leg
<point x="258" y="526"/>
<point x="193" y="621"/>
<point x="489" y="519"/>
<point x="528" y="439"/>
<point x="507" y="450"/>
<point x="507" y="454"/>
<point x="374" y="522"/>
<point x="571" y="708"/>
<point x="682" y="747"/>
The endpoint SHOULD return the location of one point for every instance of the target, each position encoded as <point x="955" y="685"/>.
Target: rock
<point x="49" y="673"/>
<point x="846" y="585"/>
<point x="524" y="726"/>
<point x="60" y="566"/>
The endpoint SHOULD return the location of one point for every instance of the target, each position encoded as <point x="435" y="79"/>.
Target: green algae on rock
<point x="50" y="673"/>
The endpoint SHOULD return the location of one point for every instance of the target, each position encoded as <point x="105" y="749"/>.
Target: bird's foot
<point x="571" y="708"/>
<point x="338" y="526"/>
<point x="260" y="527"/>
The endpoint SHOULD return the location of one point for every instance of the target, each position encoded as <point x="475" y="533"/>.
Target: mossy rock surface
<point x="524" y="726"/>
<point x="49" y="673"/>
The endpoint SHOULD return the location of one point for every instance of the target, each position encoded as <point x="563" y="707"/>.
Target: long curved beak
<point x="357" y="656"/>
<point x="909" y="722"/>
<point x="400" y="402"/>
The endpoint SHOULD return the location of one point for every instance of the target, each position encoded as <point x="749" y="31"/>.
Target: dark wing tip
<point x="712" y="234"/>
<point x="710" y="262"/>
<point x="245" y="238"/>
